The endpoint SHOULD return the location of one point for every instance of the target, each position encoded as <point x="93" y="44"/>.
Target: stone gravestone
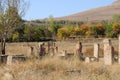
<point x="41" y="50"/>
<point x="78" y="50"/>
<point x="108" y="52"/>
<point x="56" y="49"/>
<point x="87" y="60"/>
<point x="9" y="60"/>
<point x="52" y="51"/>
<point x="32" y="50"/>
<point x="119" y="51"/>
<point x="64" y="52"/>
<point x="48" y="47"/>
<point x="29" y="51"/>
<point x="96" y="50"/>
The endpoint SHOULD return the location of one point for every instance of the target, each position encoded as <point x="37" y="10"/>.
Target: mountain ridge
<point x="96" y="14"/>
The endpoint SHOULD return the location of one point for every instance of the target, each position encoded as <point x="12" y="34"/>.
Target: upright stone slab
<point x="96" y="50"/>
<point x="78" y="50"/>
<point x="48" y="51"/>
<point x="119" y="51"/>
<point x="29" y="51"/>
<point x="56" y="49"/>
<point x="108" y="51"/>
<point x="87" y="60"/>
<point x="42" y="49"/>
<point x="109" y="55"/>
<point x="9" y="60"/>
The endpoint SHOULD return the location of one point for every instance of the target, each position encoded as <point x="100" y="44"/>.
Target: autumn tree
<point x="84" y="28"/>
<point x="116" y="29"/>
<point x="63" y="33"/>
<point x="11" y="13"/>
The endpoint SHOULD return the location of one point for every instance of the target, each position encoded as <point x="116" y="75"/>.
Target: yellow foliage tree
<point x="84" y="28"/>
<point x="62" y="33"/>
<point x="116" y="29"/>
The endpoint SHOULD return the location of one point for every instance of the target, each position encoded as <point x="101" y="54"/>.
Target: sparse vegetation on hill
<point x="96" y="14"/>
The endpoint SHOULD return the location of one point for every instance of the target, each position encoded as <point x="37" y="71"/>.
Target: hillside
<point x="97" y="14"/>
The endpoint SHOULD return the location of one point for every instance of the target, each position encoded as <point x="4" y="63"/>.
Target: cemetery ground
<point x="51" y="67"/>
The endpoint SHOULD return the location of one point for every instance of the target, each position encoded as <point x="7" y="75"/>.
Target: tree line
<point x="54" y="30"/>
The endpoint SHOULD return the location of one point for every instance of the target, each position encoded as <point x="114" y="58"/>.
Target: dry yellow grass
<point x="56" y="68"/>
<point x="51" y="68"/>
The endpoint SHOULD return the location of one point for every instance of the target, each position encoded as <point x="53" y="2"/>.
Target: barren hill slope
<point x="97" y="14"/>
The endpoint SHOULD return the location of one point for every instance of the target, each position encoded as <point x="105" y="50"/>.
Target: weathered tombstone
<point x="109" y="55"/>
<point x="41" y="49"/>
<point x="9" y="60"/>
<point x="119" y="51"/>
<point x="52" y="53"/>
<point x="108" y="52"/>
<point x="48" y="47"/>
<point x="32" y="51"/>
<point x="64" y="52"/>
<point x="78" y="50"/>
<point x="96" y="50"/>
<point x="87" y="60"/>
<point x="56" y="50"/>
<point x="29" y="51"/>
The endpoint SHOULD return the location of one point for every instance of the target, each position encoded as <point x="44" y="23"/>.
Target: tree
<point x="28" y="32"/>
<point x="63" y="33"/>
<point x="108" y="29"/>
<point x="116" y="29"/>
<point x="53" y="26"/>
<point x="11" y="13"/>
<point x="84" y="28"/>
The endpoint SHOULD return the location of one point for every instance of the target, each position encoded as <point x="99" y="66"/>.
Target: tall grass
<point x="56" y="68"/>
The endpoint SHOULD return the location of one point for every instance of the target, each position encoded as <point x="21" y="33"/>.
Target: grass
<point x="51" y="68"/>
<point x="56" y="68"/>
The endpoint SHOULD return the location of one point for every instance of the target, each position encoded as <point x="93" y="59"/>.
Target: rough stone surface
<point x="78" y="50"/>
<point x="9" y="60"/>
<point x="87" y="60"/>
<point x="108" y="52"/>
<point x="109" y="55"/>
<point x="96" y="50"/>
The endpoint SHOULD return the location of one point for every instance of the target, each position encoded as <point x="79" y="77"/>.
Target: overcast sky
<point x="40" y="9"/>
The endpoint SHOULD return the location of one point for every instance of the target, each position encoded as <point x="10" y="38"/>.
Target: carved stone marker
<point x="87" y="60"/>
<point x="41" y="50"/>
<point x="78" y="50"/>
<point x="56" y="49"/>
<point x="48" y="47"/>
<point x="96" y="50"/>
<point x="64" y="52"/>
<point x="9" y="60"/>
<point x="109" y="55"/>
<point x="108" y="52"/>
